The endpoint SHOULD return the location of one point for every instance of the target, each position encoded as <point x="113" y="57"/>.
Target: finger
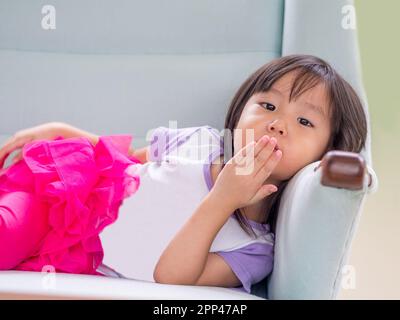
<point x="267" y="169"/>
<point x="261" y="143"/>
<point x="264" y="191"/>
<point x="249" y="154"/>
<point x="6" y="149"/>
<point x="258" y="145"/>
<point x="264" y="154"/>
<point x="9" y="147"/>
<point x="241" y="156"/>
<point x="17" y="157"/>
<point x="244" y="159"/>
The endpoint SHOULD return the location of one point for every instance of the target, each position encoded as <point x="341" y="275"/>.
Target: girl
<point x="172" y="227"/>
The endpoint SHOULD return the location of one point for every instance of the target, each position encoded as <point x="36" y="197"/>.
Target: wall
<point x="375" y="252"/>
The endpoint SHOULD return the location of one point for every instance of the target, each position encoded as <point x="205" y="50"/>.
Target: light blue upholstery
<point x="316" y="224"/>
<point x="129" y="66"/>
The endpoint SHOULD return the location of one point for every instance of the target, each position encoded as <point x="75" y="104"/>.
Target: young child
<point x="197" y="206"/>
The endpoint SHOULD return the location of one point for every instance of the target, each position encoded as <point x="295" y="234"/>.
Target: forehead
<point x="285" y="83"/>
<point x="316" y="96"/>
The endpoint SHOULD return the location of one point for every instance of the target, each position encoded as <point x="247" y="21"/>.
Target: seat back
<point x="123" y="66"/>
<point x="129" y="66"/>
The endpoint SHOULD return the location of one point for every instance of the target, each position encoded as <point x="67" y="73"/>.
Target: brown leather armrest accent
<point x="342" y="169"/>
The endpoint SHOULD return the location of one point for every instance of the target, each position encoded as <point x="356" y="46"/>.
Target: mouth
<point x="276" y="148"/>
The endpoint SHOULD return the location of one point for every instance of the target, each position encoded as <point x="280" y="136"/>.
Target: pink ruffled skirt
<point x="56" y="201"/>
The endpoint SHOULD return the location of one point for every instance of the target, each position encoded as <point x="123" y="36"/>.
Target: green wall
<point x="375" y="250"/>
<point x="379" y="39"/>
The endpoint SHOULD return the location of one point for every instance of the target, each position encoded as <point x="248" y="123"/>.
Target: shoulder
<point x="169" y="134"/>
<point x="166" y="141"/>
<point x="175" y="131"/>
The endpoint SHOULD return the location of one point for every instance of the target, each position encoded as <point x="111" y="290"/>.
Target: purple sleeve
<point x="160" y="142"/>
<point x="164" y="140"/>
<point x="251" y="263"/>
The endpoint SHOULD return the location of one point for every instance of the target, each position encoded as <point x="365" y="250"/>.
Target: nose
<point x="277" y="127"/>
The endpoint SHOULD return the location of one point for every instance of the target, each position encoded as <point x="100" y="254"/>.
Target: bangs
<point x="308" y="77"/>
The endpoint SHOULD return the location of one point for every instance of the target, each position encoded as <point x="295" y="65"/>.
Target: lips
<point x="276" y="147"/>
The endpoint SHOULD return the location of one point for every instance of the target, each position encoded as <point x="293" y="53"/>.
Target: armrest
<point x="315" y="228"/>
<point x="35" y="285"/>
<point x="342" y="169"/>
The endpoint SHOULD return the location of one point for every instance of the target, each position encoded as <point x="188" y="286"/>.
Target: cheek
<point x="287" y="166"/>
<point x="296" y="157"/>
<point x="243" y="135"/>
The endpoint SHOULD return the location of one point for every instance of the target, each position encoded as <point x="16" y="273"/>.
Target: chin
<point x="286" y="169"/>
<point x="281" y="174"/>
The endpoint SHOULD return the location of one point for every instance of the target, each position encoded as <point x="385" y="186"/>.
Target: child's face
<point x="302" y="133"/>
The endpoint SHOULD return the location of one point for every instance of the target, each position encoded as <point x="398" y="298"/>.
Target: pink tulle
<point x="82" y="186"/>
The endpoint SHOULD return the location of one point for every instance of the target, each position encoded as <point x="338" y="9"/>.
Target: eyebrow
<point x="313" y="107"/>
<point x="275" y="90"/>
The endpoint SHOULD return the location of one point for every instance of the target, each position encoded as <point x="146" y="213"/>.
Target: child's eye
<point x="268" y="105"/>
<point x="305" y="122"/>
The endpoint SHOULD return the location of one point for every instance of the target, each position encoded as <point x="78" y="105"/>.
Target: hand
<point x="45" y="131"/>
<point x="241" y="182"/>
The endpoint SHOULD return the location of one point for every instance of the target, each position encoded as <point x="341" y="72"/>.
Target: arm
<point x="187" y="260"/>
<point x="68" y="131"/>
<point x="217" y="273"/>
<point x="48" y="130"/>
<point x="141" y="154"/>
<point x="51" y="130"/>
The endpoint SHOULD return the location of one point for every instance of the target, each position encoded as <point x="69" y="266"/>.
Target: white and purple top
<point x="172" y="185"/>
